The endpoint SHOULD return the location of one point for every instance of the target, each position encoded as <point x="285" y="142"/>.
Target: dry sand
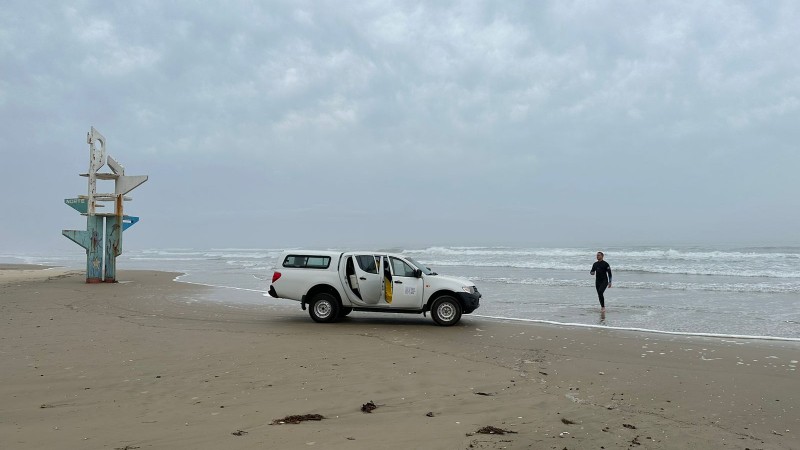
<point x="142" y="365"/>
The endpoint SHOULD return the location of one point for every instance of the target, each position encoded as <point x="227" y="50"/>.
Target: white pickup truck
<point x="334" y="284"/>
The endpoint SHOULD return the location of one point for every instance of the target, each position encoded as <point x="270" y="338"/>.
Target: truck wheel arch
<point x="327" y="288"/>
<point x="438" y="294"/>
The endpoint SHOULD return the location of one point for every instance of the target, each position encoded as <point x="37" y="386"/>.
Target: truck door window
<point x="367" y="263"/>
<point x="401" y="269"/>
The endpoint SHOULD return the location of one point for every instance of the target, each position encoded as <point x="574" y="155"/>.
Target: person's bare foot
<point x="603" y="309"/>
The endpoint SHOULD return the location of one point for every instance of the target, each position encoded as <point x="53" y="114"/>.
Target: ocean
<point x="733" y="292"/>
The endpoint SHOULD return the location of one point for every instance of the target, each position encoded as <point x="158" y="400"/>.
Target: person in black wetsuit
<point x="602" y="272"/>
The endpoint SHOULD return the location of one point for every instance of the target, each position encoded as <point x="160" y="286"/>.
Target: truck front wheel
<point x="324" y="308"/>
<point x="446" y="311"/>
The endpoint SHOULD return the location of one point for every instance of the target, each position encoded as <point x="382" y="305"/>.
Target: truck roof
<point x="313" y="252"/>
<point x="338" y="253"/>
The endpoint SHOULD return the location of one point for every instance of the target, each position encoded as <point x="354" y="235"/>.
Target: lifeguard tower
<point x="102" y="238"/>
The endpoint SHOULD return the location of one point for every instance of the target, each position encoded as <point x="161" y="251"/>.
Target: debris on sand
<point x="567" y="421"/>
<point x="487" y="394"/>
<point x="297" y="419"/>
<point x="430" y="414"/>
<point x="627" y="425"/>
<point x="494" y="430"/>
<point x="239" y="433"/>
<point x="368" y="407"/>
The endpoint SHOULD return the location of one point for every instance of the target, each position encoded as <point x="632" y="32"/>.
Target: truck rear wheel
<point x="324" y="308"/>
<point x="446" y="311"/>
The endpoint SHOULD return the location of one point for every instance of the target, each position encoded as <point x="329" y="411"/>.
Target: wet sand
<point x="144" y="364"/>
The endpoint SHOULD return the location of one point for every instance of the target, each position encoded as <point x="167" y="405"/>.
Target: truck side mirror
<point x="418" y="273"/>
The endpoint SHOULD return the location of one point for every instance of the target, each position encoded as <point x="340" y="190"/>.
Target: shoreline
<point x="545" y="322"/>
<point x="736" y="314"/>
<point x="149" y="363"/>
<point x="643" y="330"/>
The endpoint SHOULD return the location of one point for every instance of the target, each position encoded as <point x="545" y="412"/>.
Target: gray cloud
<point x="397" y="123"/>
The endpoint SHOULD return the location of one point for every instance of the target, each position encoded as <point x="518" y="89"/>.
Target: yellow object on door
<point x="387" y="284"/>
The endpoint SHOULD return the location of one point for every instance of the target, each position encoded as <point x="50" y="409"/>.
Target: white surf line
<point x="646" y="330"/>
<point x="177" y="279"/>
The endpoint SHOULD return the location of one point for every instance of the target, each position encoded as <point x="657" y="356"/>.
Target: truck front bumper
<point x="471" y="302"/>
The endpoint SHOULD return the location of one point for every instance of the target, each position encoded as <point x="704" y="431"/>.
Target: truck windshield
<point x="421" y="267"/>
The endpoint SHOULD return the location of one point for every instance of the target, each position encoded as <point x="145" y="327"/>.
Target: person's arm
<point x="609" y="275"/>
<point x="593" y="269"/>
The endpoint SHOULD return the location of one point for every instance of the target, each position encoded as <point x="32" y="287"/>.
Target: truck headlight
<point x="468" y="289"/>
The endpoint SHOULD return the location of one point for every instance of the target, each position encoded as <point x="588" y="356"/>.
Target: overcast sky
<point x="380" y="123"/>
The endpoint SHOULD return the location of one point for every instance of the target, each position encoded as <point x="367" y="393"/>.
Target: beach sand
<point x="142" y="364"/>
